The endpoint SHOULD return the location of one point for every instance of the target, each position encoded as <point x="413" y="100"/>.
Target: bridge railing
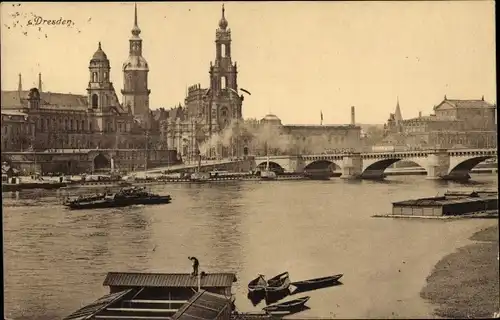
<point x="425" y="151"/>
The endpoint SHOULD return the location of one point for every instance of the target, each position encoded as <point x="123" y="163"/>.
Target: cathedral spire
<point x="397" y="113"/>
<point x="135" y="30"/>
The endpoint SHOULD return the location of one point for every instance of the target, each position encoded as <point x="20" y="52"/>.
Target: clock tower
<point x="135" y="72"/>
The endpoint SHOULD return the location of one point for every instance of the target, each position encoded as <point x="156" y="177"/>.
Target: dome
<point x="135" y="63"/>
<point x="271" y="118"/>
<point x="99" y="54"/>
<point x="223" y="22"/>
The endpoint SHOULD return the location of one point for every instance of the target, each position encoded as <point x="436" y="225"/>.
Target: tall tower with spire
<point x="100" y="88"/>
<point x="135" y="72"/>
<point x="223" y="79"/>
<point x="397" y="114"/>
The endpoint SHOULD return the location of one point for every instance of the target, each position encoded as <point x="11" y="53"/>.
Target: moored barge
<point x="451" y="204"/>
<point x="123" y="198"/>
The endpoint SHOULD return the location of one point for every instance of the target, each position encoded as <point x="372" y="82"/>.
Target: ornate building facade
<point x="43" y="121"/>
<point x="208" y="111"/>
<point x="454" y="124"/>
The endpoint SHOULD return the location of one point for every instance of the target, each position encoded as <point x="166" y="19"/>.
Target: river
<point x="55" y="261"/>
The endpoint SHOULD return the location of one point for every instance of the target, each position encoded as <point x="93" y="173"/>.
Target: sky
<point x="297" y="59"/>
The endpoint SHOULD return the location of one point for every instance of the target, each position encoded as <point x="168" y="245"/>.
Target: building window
<point x="223" y="80"/>
<point x="223" y="49"/>
<point x="224" y="112"/>
<point x="94" y="76"/>
<point x="95" y="101"/>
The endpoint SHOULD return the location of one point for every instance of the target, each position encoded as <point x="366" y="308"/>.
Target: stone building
<point x="44" y="121"/>
<point x="208" y="111"/>
<point x="455" y="123"/>
<point x="271" y="134"/>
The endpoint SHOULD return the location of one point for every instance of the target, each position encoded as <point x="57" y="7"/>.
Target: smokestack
<point x="353" y="116"/>
<point x="20" y="84"/>
<point x="40" y="82"/>
<point x="420" y="114"/>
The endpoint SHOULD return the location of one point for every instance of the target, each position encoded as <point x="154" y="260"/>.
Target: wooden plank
<point x="142" y="310"/>
<point x="156" y="301"/>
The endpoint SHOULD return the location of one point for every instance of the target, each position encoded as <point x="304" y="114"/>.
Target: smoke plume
<point x="257" y="137"/>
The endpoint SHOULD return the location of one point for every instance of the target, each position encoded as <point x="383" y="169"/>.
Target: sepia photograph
<point x="205" y="160"/>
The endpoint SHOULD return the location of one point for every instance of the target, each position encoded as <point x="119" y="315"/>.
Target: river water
<point x="55" y="260"/>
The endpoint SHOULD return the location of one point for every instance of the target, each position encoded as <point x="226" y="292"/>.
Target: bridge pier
<point x="373" y="175"/>
<point x="352" y="166"/>
<point x="438" y="164"/>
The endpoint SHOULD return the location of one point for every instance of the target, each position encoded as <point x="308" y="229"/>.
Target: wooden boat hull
<point x="111" y="203"/>
<point x="257" y="285"/>
<point x="278" y="284"/>
<point x="287" y="306"/>
<point x="30" y="186"/>
<point x="317" y="282"/>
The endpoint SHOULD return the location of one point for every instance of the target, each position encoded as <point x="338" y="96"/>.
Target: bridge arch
<point x="322" y="165"/>
<point x="273" y="166"/>
<point x="101" y="162"/>
<point x="377" y="168"/>
<point x="463" y="168"/>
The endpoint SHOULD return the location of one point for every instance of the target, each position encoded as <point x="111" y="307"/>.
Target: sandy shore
<point x="465" y="284"/>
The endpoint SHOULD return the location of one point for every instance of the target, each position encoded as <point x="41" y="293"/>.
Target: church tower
<point x="135" y="72"/>
<point x="223" y="79"/>
<point x="100" y="88"/>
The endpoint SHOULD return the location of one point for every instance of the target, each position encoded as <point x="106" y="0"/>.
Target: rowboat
<point x="278" y="284"/>
<point x="287" y="306"/>
<point x="258" y="284"/>
<point x="317" y="282"/>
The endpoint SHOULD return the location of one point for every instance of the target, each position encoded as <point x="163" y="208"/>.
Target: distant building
<point x="303" y="139"/>
<point x="455" y="123"/>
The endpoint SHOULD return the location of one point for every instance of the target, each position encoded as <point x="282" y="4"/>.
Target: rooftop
<point x="465" y="104"/>
<point x="88" y="311"/>
<point x="17" y="99"/>
<point x="438" y="201"/>
<point x="203" y="305"/>
<point x="177" y="280"/>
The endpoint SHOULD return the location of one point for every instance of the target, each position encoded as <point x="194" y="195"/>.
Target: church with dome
<point x="40" y="120"/>
<point x="101" y="130"/>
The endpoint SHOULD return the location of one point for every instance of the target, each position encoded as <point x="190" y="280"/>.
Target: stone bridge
<point x="439" y="163"/>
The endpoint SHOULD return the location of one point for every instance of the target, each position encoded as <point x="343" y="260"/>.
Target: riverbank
<point x="492" y="214"/>
<point x="465" y="284"/>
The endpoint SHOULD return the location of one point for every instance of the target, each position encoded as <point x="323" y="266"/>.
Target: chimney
<point x="353" y="116"/>
<point x="20" y="84"/>
<point x="420" y="114"/>
<point x="40" y="82"/>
